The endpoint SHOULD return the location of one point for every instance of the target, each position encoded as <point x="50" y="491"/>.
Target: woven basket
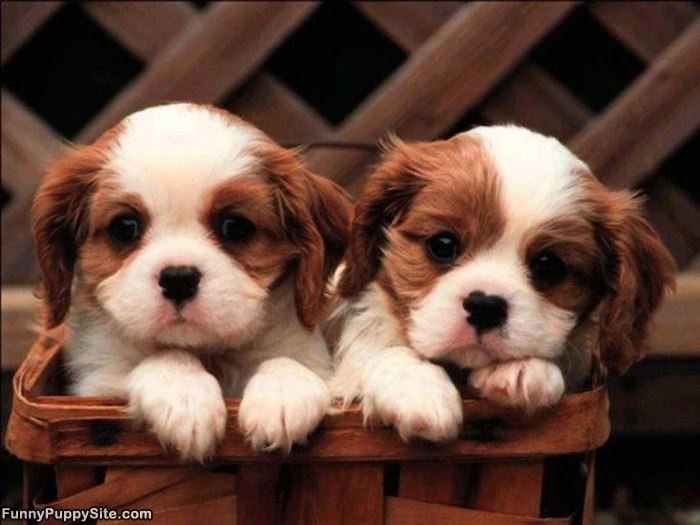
<point x="503" y="469"/>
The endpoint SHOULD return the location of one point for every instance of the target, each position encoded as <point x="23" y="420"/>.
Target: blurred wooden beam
<point x="646" y="28"/>
<point x="19" y="324"/>
<point x="264" y="100"/>
<point x="441" y="80"/>
<point x="676" y="216"/>
<point x="531" y="97"/>
<point x="212" y="56"/>
<point x="278" y="111"/>
<point x="677" y="326"/>
<point x="408" y="24"/>
<point x="694" y="265"/>
<point x="20" y="20"/>
<point x="144" y="28"/>
<point x="656" y="397"/>
<point x="28" y="147"/>
<point x="535" y="99"/>
<point x="650" y="119"/>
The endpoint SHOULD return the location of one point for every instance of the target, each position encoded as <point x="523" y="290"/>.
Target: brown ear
<point x="640" y="272"/>
<point x="387" y="193"/>
<point x="316" y="215"/>
<point x="59" y="225"/>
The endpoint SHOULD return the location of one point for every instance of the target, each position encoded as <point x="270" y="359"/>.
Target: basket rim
<point x="49" y="429"/>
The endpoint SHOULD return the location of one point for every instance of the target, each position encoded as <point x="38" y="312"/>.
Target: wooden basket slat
<point x="196" y="487"/>
<point x="121" y="491"/>
<point x="336" y="494"/>
<point x="214" y="511"/>
<point x="588" y="513"/>
<point x="435" y="482"/>
<point x="175" y="495"/>
<point x="510" y="488"/>
<point x="402" y="511"/>
<point x="71" y="479"/>
<point x="259" y="494"/>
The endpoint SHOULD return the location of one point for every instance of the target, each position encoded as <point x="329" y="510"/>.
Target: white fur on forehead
<point x="182" y="142"/>
<point x="539" y="176"/>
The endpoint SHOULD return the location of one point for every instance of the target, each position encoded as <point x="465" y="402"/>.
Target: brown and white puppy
<point x="190" y="255"/>
<point x="493" y="251"/>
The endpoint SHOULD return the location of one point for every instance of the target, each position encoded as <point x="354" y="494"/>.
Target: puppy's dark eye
<point x="125" y="228"/>
<point x="548" y="269"/>
<point x="443" y="247"/>
<point x="234" y="228"/>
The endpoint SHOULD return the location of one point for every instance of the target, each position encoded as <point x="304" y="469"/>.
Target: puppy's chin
<point x="189" y="336"/>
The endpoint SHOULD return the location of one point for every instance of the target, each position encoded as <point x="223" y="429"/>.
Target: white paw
<point x="529" y="384"/>
<point x="282" y="404"/>
<point x="187" y="414"/>
<point x="416" y="397"/>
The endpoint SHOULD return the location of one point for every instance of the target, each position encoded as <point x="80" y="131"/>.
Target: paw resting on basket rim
<point x="185" y="409"/>
<point x="529" y="384"/>
<point x="416" y="397"/>
<point x="282" y="404"/>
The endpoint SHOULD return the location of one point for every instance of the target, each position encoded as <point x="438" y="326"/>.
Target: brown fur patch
<point x="639" y="271"/>
<point x="571" y="238"/>
<point x="60" y="219"/>
<point x="315" y="215"/>
<point x="418" y="191"/>
<point x="100" y="256"/>
<point x="268" y="253"/>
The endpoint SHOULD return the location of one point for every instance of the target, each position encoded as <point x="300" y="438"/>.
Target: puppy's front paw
<point x="416" y="397"/>
<point x="187" y="414"/>
<point x="282" y="404"/>
<point x="529" y="384"/>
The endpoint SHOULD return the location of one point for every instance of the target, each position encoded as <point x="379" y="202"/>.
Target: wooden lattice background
<point x="462" y="59"/>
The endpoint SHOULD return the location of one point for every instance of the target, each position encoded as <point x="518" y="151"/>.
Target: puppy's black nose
<point x="485" y="311"/>
<point x="179" y="283"/>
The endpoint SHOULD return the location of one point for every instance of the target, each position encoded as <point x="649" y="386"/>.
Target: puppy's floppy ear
<point x="640" y="271"/>
<point x="316" y="216"/>
<point x="59" y="224"/>
<point x="388" y="192"/>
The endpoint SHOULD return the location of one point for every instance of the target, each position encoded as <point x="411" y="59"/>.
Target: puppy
<point x="190" y="255"/>
<point x="497" y="251"/>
